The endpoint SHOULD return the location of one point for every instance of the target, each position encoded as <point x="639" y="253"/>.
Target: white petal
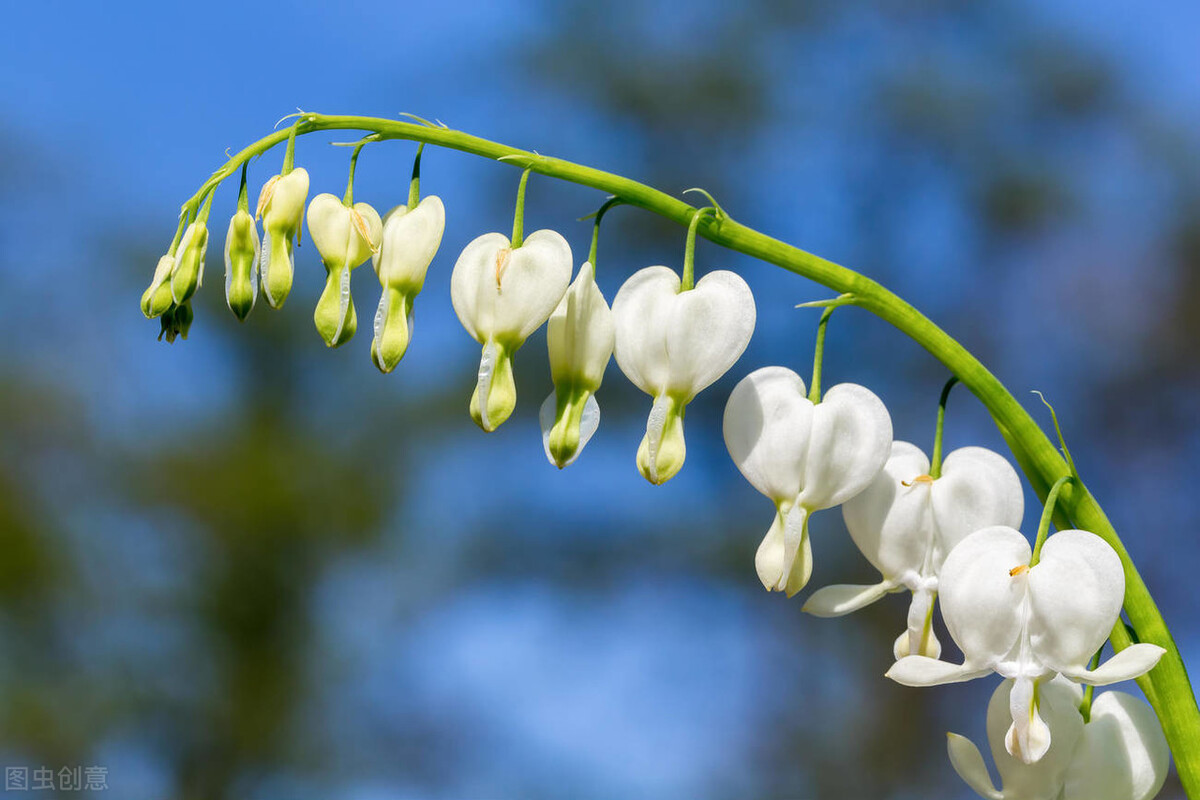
<point x="1123" y="754"/>
<point x="335" y="233"/>
<point x="410" y="240"/>
<point x="766" y="424"/>
<point x="977" y="489"/>
<point x="641" y="312"/>
<point x="850" y="442"/>
<point x="708" y="330"/>
<point x="472" y="284"/>
<point x="968" y="763"/>
<point x="784" y="559"/>
<point x="588" y="424"/>
<point x="980" y="597"/>
<point x="580" y="333"/>
<point x="1132" y="662"/>
<point x="533" y="283"/>
<point x="890" y="522"/>
<point x="926" y="671"/>
<point x="841" y="599"/>
<point x="1075" y="594"/>
<point x="1058" y="706"/>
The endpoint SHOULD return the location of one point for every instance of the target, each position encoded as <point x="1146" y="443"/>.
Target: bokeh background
<point x="245" y="566"/>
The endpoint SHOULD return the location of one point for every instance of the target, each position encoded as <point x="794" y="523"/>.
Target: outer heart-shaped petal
<point x="504" y="294"/>
<point x="851" y="439"/>
<point x="981" y="597"/>
<point x="977" y="488"/>
<point x="1075" y="594"/>
<point x="343" y="236"/>
<point x="410" y="241"/>
<point x="678" y="343"/>
<point x="890" y="521"/>
<point x="1122" y="755"/>
<point x="767" y="425"/>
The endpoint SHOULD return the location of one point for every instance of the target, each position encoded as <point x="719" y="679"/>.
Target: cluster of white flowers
<point x="1034" y="616"/>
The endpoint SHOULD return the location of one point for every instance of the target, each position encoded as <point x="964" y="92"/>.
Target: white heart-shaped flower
<point x="410" y="240"/>
<point x="501" y="295"/>
<point x="905" y="522"/>
<point x="1029" y="623"/>
<point x="804" y="456"/>
<point x="281" y="207"/>
<point x="672" y="344"/>
<point x="345" y="237"/>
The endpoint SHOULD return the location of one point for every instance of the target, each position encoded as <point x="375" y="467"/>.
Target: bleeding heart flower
<point x="579" y="336"/>
<point x="906" y="522"/>
<point x="411" y="238"/>
<point x="1119" y="754"/>
<point x="281" y="207"/>
<point x="345" y="236"/>
<point x="804" y="456"/>
<point x="1030" y="623"/>
<point x="673" y="344"/>
<point x="503" y="294"/>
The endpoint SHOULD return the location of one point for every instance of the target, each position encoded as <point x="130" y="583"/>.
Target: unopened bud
<point x="241" y="264"/>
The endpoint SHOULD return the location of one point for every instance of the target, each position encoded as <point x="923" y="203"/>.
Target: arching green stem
<point x="935" y="462"/>
<point x="689" y="249"/>
<point x="1047" y="516"/>
<point x="289" y="155"/>
<point x="518" y="236"/>
<point x="414" y="185"/>
<point x="1166" y="686"/>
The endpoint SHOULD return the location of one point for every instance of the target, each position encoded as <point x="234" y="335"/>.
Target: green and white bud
<point x="281" y="207"/>
<point x="241" y="264"/>
<point x="410" y="240"/>
<point x="187" y="274"/>
<point x="345" y="237"/>
<point x="157" y="297"/>
<point x="579" y="335"/>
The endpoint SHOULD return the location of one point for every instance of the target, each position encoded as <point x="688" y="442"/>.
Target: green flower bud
<point x="281" y="207"/>
<point x="188" y="273"/>
<point x="241" y="264"/>
<point x="157" y="297"/>
<point x="176" y="321"/>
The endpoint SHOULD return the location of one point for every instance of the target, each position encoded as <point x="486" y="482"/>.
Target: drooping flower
<point x="411" y="238"/>
<point x="187" y="274"/>
<point x="281" y="207"/>
<point x="804" y="456"/>
<point x="1030" y="623"/>
<point x="241" y="264"/>
<point x="345" y="236"/>
<point x="906" y="522"/>
<point x="672" y="344"/>
<point x="157" y="297"/>
<point x="580" y="336"/>
<point x="1119" y="754"/>
<point x="501" y="295"/>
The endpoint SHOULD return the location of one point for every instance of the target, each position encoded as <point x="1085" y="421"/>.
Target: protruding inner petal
<point x="495" y="394"/>
<point x="662" y="451"/>
<point x="784" y="559"/>
<point x="567" y="425"/>
<point x="1028" y="738"/>
<point x="919" y="639"/>
<point x="393" y="329"/>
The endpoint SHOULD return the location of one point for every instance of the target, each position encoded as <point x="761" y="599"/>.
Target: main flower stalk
<point x="1166" y="686"/>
